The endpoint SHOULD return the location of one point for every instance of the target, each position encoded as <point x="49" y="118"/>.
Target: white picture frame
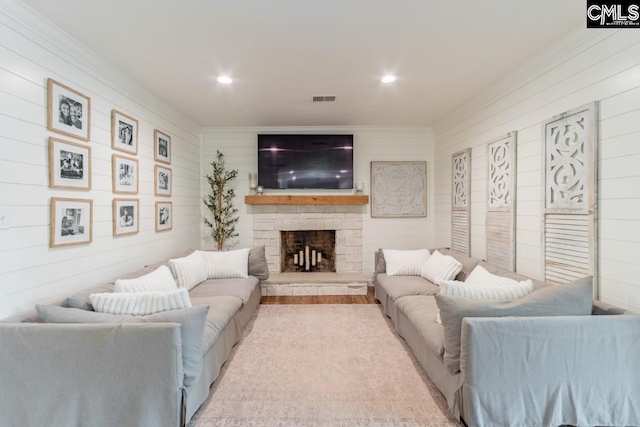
<point x="124" y="132"/>
<point x="164" y="216"/>
<point x="68" y="111"/>
<point x="126" y="216"/>
<point x="162" y="181"/>
<point x="125" y="176"/>
<point x="69" y="165"/>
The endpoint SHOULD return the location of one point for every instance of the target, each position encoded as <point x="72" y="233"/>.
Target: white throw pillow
<point x="480" y="276"/>
<point x="440" y="267"/>
<point x="493" y="292"/>
<point x="158" y="280"/>
<point x="226" y="264"/>
<point x="140" y="303"/>
<point x="405" y="263"/>
<point x="189" y="271"/>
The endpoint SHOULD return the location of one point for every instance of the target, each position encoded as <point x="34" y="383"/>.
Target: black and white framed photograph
<point x="69" y="165"/>
<point x="164" y="216"/>
<point x="124" y="132"/>
<point x="69" y="111"/>
<point x="162" y="181"/>
<point x="124" y="175"/>
<point x="162" y="147"/>
<point x="126" y="214"/>
<point x="71" y="221"/>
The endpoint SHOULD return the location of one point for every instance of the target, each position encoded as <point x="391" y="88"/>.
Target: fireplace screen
<point x="308" y="251"/>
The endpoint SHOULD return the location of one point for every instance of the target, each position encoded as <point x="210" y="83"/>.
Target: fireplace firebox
<point x="308" y="251"/>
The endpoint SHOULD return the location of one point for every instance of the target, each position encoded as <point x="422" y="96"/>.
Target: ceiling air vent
<point x="327" y="98"/>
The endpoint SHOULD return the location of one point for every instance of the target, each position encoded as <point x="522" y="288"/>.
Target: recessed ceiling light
<point x="225" y="80"/>
<point x="388" y="78"/>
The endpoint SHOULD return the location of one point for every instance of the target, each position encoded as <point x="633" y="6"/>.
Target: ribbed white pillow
<point x="480" y="276"/>
<point x="405" y="263"/>
<point x="493" y="292"/>
<point x="140" y="303"/>
<point x="440" y="267"/>
<point x="158" y="280"/>
<point x="189" y="271"/>
<point x="226" y="264"/>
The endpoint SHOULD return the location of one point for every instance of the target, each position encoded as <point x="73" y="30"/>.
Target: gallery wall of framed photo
<point x="79" y="161"/>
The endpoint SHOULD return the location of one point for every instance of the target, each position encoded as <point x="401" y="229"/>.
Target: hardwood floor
<point x="323" y="299"/>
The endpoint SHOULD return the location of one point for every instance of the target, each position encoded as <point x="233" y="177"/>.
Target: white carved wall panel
<point x="501" y="192"/>
<point x="569" y="211"/>
<point x="461" y="201"/>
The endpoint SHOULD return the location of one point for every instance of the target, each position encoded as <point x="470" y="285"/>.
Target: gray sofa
<point x="125" y="374"/>
<point x="520" y="370"/>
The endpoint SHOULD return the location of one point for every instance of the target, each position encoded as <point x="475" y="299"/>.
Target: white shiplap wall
<point x="239" y="147"/>
<point x="31" y="50"/>
<point x="585" y="66"/>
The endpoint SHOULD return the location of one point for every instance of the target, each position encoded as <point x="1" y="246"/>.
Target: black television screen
<point x="305" y="161"/>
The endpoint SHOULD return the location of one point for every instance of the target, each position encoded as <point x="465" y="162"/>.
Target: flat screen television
<point x="305" y="161"/>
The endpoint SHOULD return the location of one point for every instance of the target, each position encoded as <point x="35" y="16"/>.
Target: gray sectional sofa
<point x="124" y="374"/>
<point x="520" y="364"/>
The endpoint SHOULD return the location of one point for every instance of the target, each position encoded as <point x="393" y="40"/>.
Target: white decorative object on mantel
<point x="460" y="201"/>
<point x="501" y="193"/>
<point x="398" y="189"/>
<point x="569" y="195"/>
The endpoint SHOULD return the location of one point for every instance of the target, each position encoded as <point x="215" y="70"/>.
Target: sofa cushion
<point x="440" y="267"/>
<point x="421" y="311"/>
<point x="468" y="263"/>
<point x="227" y="264"/>
<point x="401" y="286"/>
<point x="381" y="263"/>
<point x="241" y="288"/>
<point x="140" y="303"/>
<point x="159" y="280"/>
<point x="191" y="321"/>
<point x="511" y="274"/>
<point x="571" y="299"/>
<point x="258" y="266"/>
<point x="221" y="311"/>
<point x="405" y="262"/>
<point x="189" y="271"/>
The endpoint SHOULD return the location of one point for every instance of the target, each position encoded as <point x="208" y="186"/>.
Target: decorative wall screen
<point x="461" y="201"/>
<point x="569" y="195"/>
<point x="501" y="193"/>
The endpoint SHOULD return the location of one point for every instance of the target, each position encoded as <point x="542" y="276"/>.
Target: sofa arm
<point x="97" y="374"/>
<point x="578" y="370"/>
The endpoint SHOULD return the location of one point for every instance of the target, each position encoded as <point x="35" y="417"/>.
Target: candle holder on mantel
<point x="253" y="183"/>
<point x="359" y="188"/>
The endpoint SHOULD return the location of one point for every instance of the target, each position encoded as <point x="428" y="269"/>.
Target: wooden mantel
<point x="306" y="200"/>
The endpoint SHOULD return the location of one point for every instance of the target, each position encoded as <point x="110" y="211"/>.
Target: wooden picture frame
<point x="162" y="181"/>
<point x="398" y="189"/>
<point x="124" y="132"/>
<point x="69" y="165"/>
<point x="126" y="216"/>
<point x="68" y="111"/>
<point x="70" y="222"/>
<point x="164" y="216"/>
<point x="125" y="176"/>
<point x="161" y="147"/>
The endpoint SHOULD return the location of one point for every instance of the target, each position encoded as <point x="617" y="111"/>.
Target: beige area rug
<point x="322" y="365"/>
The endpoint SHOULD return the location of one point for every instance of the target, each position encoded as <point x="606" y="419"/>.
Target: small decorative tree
<point x="220" y="202"/>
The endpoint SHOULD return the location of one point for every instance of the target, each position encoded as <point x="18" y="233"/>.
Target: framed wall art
<point x="398" y="189"/>
<point x="71" y="222"/>
<point x="125" y="174"/>
<point x="164" y="216"/>
<point x="124" y="132"/>
<point x="68" y="111"/>
<point x="162" y="181"/>
<point x="69" y="165"/>
<point x="126" y="216"/>
<point x="162" y="147"/>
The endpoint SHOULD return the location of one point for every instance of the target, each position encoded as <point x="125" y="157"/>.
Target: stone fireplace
<point x="307" y="251"/>
<point x="345" y="220"/>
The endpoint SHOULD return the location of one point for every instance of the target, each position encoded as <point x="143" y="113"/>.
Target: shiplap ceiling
<point x="283" y="52"/>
